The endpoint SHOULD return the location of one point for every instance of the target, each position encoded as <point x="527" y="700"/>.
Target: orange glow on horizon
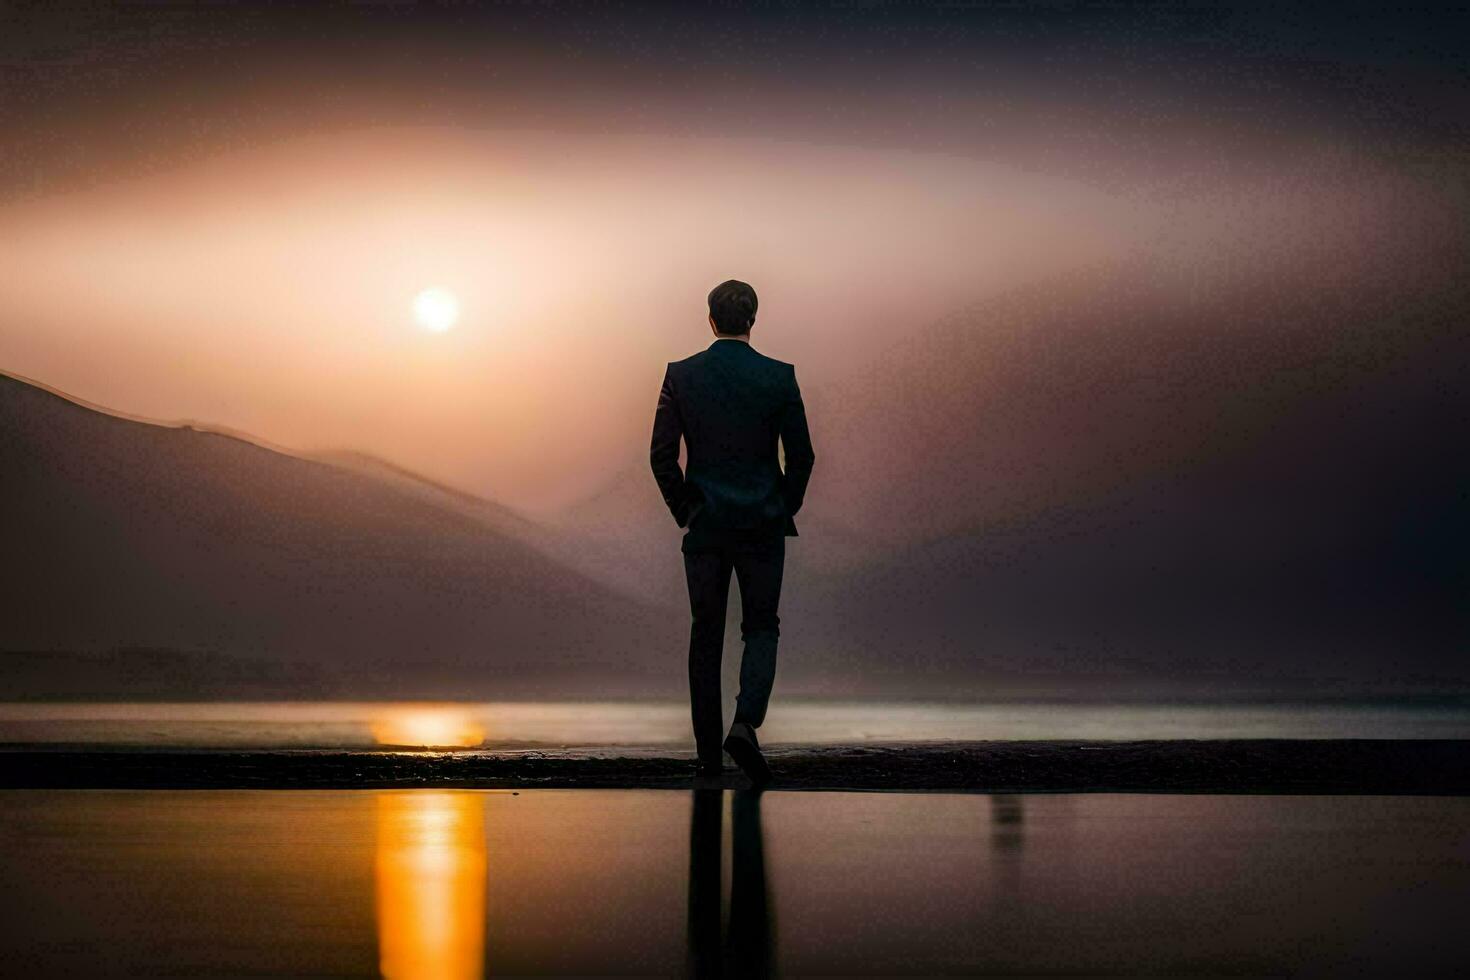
<point x="428" y="726"/>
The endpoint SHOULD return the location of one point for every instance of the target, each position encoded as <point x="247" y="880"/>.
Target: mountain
<point x="1114" y="483"/>
<point x="1104" y="483"/>
<point x="122" y="534"/>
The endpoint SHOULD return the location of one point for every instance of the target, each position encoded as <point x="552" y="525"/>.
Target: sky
<point x="225" y="213"/>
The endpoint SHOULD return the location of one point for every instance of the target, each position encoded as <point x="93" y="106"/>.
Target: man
<point x="731" y="404"/>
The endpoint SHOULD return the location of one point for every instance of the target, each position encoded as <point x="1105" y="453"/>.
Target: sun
<point x="436" y="309"/>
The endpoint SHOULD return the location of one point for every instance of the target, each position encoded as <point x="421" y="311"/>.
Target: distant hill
<point x="120" y="534"/>
<point x="1108" y="484"/>
<point x="1105" y="483"/>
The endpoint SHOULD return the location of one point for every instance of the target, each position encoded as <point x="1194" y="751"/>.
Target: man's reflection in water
<point x="748" y="951"/>
<point x="704" y="883"/>
<point x="750" y="918"/>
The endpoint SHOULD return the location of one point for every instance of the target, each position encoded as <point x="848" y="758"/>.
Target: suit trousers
<point x="758" y="569"/>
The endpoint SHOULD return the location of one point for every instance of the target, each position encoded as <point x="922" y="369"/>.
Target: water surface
<point x="467" y="883"/>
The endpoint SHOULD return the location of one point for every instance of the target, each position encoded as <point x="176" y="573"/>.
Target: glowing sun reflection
<point x="428" y="726"/>
<point x="431" y="869"/>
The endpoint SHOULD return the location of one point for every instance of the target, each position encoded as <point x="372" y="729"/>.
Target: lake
<point x="464" y="883"/>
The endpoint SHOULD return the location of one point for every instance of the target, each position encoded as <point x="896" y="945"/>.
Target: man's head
<point x="732" y="308"/>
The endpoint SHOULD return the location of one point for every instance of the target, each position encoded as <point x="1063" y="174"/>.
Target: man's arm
<point x="796" y="442"/>
<point x="668" y="427"/>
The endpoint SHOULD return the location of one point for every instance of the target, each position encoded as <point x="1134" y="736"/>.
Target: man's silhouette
<point x="731" y="404"/>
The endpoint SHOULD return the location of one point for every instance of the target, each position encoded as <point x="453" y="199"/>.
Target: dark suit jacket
<point x="730" y="403"/>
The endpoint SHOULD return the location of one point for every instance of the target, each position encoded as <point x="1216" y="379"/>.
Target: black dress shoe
<point x="746" y="752"/>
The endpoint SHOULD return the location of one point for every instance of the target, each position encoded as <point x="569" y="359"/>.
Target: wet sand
<point x="1338" y="766"/>
<point x="465" y="883"/>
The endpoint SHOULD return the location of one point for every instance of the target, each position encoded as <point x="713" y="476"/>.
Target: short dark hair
<point x="732" y="303"/>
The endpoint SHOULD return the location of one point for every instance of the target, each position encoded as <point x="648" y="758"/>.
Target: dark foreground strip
<point x="1237" y="766"/>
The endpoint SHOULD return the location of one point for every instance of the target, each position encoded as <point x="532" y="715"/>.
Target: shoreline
<point x="1247" y="766"/>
